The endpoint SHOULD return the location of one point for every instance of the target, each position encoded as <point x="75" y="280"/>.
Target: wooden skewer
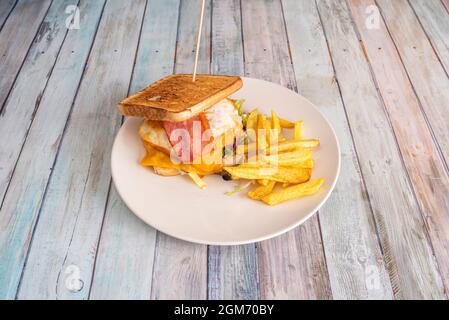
<point x="198" y="43"/>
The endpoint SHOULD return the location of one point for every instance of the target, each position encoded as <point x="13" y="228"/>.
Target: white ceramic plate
<point x="178" y="208"/>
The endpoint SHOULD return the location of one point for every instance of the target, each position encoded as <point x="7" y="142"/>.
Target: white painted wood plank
<point x="353" y="255"/>
<point x="446" y="4"/>
<point x="233" y="269"/>
<point x="407" y="251"/>
<point x="6" y="6"/>
<point x="20" y="206"/>
<point x="67" y="233"/>
<point x="22" y="202"/>
<point x="435" y="19"/>
<point x="424" y="164"/>
<point x="180" y="268"/>
<point x="426" y="73"/>
<point x="16" y="37"/>
<point x="24" y="98"/>
<point x="123" y="234"/>
<point x="293" y="265"/>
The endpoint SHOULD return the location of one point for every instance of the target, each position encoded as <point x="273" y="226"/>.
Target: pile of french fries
<point x="281" y="167"/>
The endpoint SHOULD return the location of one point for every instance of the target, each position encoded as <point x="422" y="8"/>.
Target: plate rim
<point x="254" y="240"/>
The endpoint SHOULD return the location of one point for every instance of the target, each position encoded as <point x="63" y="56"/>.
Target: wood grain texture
<point x="407" y="251"/>
<point x="20" y="207"/>
<point x="435" y="20"/>
<point x="16" y="37"/>
<point x="71" y="215"/>
<point x="429" y="79"/>
<point x="123" y="234"/>
<point x="425" y="167"/>
<point x="446" y="4"/>
<point x="291" y="266"/>
<point x="180" y="268"/>
<point x="233" y="269"/>
<point x="24" y="98"/>
<point x="353" y="255"/>
<point x="6" y="6"/>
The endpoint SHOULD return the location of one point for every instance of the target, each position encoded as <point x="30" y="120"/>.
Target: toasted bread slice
<point x="177" y="98"/>
<point x="153" y="133"/>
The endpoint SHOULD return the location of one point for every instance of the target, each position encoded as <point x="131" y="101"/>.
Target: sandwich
<point x="187" y="126"/>
<point x="194" y="128"/>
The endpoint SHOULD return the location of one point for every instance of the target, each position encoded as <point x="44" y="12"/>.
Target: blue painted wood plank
<point x="406" y="248"/>
<point x="16" y="37"/>
<point x="353" y="254"/>
<point x="180" y="268"/>
<point x="232" y="270"/>
<point x="17" y="217"/>
<point x="293" y="265"/>
<point x="6" y="6"/>
<point x="61" y="258"/>
<point x="123" y="234"/>
<point x="24" y="98"/>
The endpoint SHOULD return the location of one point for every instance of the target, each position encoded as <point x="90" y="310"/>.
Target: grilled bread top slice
<point x="177" y="98"/>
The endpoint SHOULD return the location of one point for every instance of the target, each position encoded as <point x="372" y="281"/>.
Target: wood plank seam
<point x="441" y="64"/>
<point x="156" y="244"/>
<point x="232" y="271"/>
<point x="427" y="229"/>
<point x="381" y="99"/>
<point x="23" y="62"/>
<point x="57" y="152"/>
<point x="50" y="63"/>
<point x="302" y="270"/>
<point x="432" y="132"/>
<point x="438" y="147"/>
<point x="99" y="240"/>
<point x="388" y="117"/>
<point x="396" y="288"/>
<point x="36" y="106"/>
<point x="378" y="227"/>
<point x="177" y="38"/>
<point x="241" y="35"/>
<point x="429" y="126"/>
<point x="297" y="90"/>
<point x="343" y="20"/>
<point x="7" y="16"/>
<point x="435" y="50"/>
<point x="446" y="5"/>
<point x="111" y="181"/>
<point x="156" y="252"/>
<point x="93" y="174"/>
<point x="192" y="264"/>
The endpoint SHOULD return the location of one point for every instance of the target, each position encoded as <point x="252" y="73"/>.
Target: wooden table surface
<point x="377" y="69"/>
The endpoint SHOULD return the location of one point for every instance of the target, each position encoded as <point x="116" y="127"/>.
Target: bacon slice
<point x="187" y="137"/>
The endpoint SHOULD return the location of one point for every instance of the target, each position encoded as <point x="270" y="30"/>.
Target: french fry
<point x="289" y="158"/>
<point x="298" y="131"/>
<point x="262" y="191"/>
<point x="198" y="181"/>
<point x="292" y="175"/>
<point x="308" y="164"/>
<point x="291" y="145"/>
<point x="286" y="124"/>
<point x="294" y="192"/>
<point x="261" y="132"/>
<point x="251" y="123"/>
<point x="275" y="124"/>
<point x="263" y="182"/>
<point x="267" y="127"/>
<point x="286" y="185"/>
